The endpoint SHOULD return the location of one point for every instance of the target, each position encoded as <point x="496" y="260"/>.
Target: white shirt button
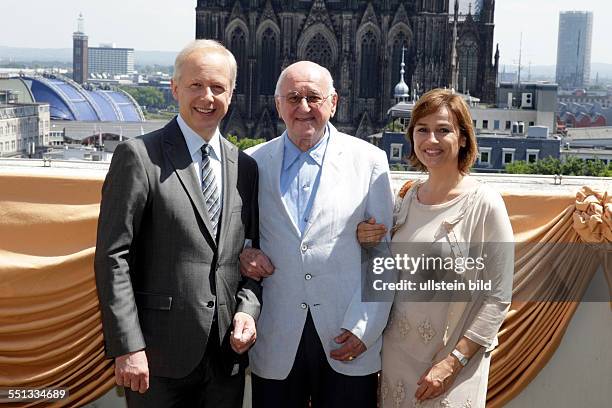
<point x="303" y="305"/>
<point x="304" y="247"/>
<point x="308" y="276"/>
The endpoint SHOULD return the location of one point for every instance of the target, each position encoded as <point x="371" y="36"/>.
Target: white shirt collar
<point x="195" y="141"/>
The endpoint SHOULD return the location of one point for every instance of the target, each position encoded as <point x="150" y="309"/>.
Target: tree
<point x="518" y="167"/>
<point x="245" y="142"/>
<point x="146" y="96"/>
<point x="548" y="165"/>
<point x="595" y="168"/>
<point x="573" y="166"/>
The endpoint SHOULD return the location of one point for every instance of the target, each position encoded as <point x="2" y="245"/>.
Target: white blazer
<point x="320" y="270"/>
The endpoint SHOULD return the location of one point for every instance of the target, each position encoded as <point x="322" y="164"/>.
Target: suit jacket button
<point x="210" y="304"/>
<point x="303" y="305"/>
<point x="304" y="247"/>
<point x="308" y="276"/>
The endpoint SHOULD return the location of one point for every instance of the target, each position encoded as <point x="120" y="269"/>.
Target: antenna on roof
<point x="80" y="24"/>
<point x="519" y="62"/>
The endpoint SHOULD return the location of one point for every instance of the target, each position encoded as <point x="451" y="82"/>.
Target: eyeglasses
<point x="314" y="101"/>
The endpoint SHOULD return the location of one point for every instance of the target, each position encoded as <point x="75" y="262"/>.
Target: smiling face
<point x="305" y="123"/>
<point x="437" y="141"/>
<point x="203" y="91"/>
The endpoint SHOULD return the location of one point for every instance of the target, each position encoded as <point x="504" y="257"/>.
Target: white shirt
<point x="194" y="144"/>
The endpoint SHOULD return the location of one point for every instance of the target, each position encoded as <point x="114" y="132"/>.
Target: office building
<point x="574" y="49"/>
<point x="107" y="59"/>
<point x="24" y="128"/>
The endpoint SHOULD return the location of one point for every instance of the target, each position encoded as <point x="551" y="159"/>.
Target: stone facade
<point x="360" y="42"/>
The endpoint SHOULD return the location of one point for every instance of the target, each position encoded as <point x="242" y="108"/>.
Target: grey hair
<point x="204" y="46"/>
<point x="326" y="75"/>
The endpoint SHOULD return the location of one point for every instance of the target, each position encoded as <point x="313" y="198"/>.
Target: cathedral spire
<point x="402" y="91"/>
<point x="454" y="66"/>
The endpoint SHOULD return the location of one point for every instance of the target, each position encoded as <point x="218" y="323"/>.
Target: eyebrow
<point x="437" y="124"/>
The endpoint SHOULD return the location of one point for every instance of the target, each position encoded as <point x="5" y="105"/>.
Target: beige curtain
<point x="567" y="248"/>
<point x="50" y="329"/>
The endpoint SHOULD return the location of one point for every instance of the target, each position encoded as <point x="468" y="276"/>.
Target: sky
<point x="164" y="25"/>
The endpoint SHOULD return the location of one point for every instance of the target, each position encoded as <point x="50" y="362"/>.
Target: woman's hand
<point x="369" y="233"/>
<point x="438" y="379"/>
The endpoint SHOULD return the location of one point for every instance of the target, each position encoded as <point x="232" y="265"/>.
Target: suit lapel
<point x="326" y="193"/>
<point x="178" y="155"/>
<point x="229" y="160"/>
<point x="274" y="169"/>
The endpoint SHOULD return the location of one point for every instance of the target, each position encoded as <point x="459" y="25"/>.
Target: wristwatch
<point x="463" y="360"/>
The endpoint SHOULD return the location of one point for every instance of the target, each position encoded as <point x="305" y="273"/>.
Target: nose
<point x="304" y="104"/>
<point x="431" y="137"/>
<point x="207" y="94"/>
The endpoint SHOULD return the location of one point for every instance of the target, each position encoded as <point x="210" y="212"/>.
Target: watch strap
<point x="463" y="360"/>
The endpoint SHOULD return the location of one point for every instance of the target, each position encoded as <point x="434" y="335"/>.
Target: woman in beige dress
<point x="437" y="353"/>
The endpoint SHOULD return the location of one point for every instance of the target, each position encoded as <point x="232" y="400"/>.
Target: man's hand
<point x="132" y="371"/>
<point x="244" y="334"/>
<point x="369" y="233"/>
<point x="255" y="264"/>
<point x="438" y="379"/>
<point x="351" y="348"/>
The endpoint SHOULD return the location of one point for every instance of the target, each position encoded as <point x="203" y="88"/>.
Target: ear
<point x="278" y="109"/>
<point x="334" y="104"/>
<point x="174" y="87"/>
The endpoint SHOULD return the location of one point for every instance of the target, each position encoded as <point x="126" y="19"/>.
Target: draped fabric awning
<point x="50" y="327"/>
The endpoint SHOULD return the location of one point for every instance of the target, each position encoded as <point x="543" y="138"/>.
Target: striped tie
<point x="210" y="190"/>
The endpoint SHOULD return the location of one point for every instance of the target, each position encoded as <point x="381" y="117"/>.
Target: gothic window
<point x="268" y="62"/>
<point x="368" y="81"/>
<point x="318" y="50"/>
<point x="238" y="48"/>
<point x="396" y="59"/>
<point x="468" y="65"/>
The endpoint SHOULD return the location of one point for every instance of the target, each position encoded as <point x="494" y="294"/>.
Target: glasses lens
<point x="294" y="98"/>
<point x="314" y="100"/>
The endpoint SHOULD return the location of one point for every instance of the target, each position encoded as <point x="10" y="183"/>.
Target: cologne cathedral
<point x="447" y="43"/>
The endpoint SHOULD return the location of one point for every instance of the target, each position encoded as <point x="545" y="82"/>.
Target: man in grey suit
<point x="177" y="206"/>
<point x="317" y="340"/>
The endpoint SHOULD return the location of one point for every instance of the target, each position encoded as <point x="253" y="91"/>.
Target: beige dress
<point x="420" y="334"/>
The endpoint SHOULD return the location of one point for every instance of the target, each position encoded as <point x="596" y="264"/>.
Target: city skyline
<point x="116" y="22"/>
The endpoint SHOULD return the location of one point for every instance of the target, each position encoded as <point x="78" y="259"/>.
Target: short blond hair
<point x="461" y="118"/>
<point x="203" y="47"/>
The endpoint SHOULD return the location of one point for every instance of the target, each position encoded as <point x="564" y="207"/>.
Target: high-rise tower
<point x="79" y="53"/>
<point x="574" y="49"/>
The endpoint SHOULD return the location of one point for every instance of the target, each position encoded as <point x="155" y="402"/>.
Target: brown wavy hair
<point x="461" y="119"/>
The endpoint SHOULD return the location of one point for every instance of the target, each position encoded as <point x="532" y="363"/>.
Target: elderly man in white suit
<point x="317" y="340"/>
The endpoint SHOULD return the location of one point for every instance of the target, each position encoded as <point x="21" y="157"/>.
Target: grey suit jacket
<point x="160" y="274"/>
